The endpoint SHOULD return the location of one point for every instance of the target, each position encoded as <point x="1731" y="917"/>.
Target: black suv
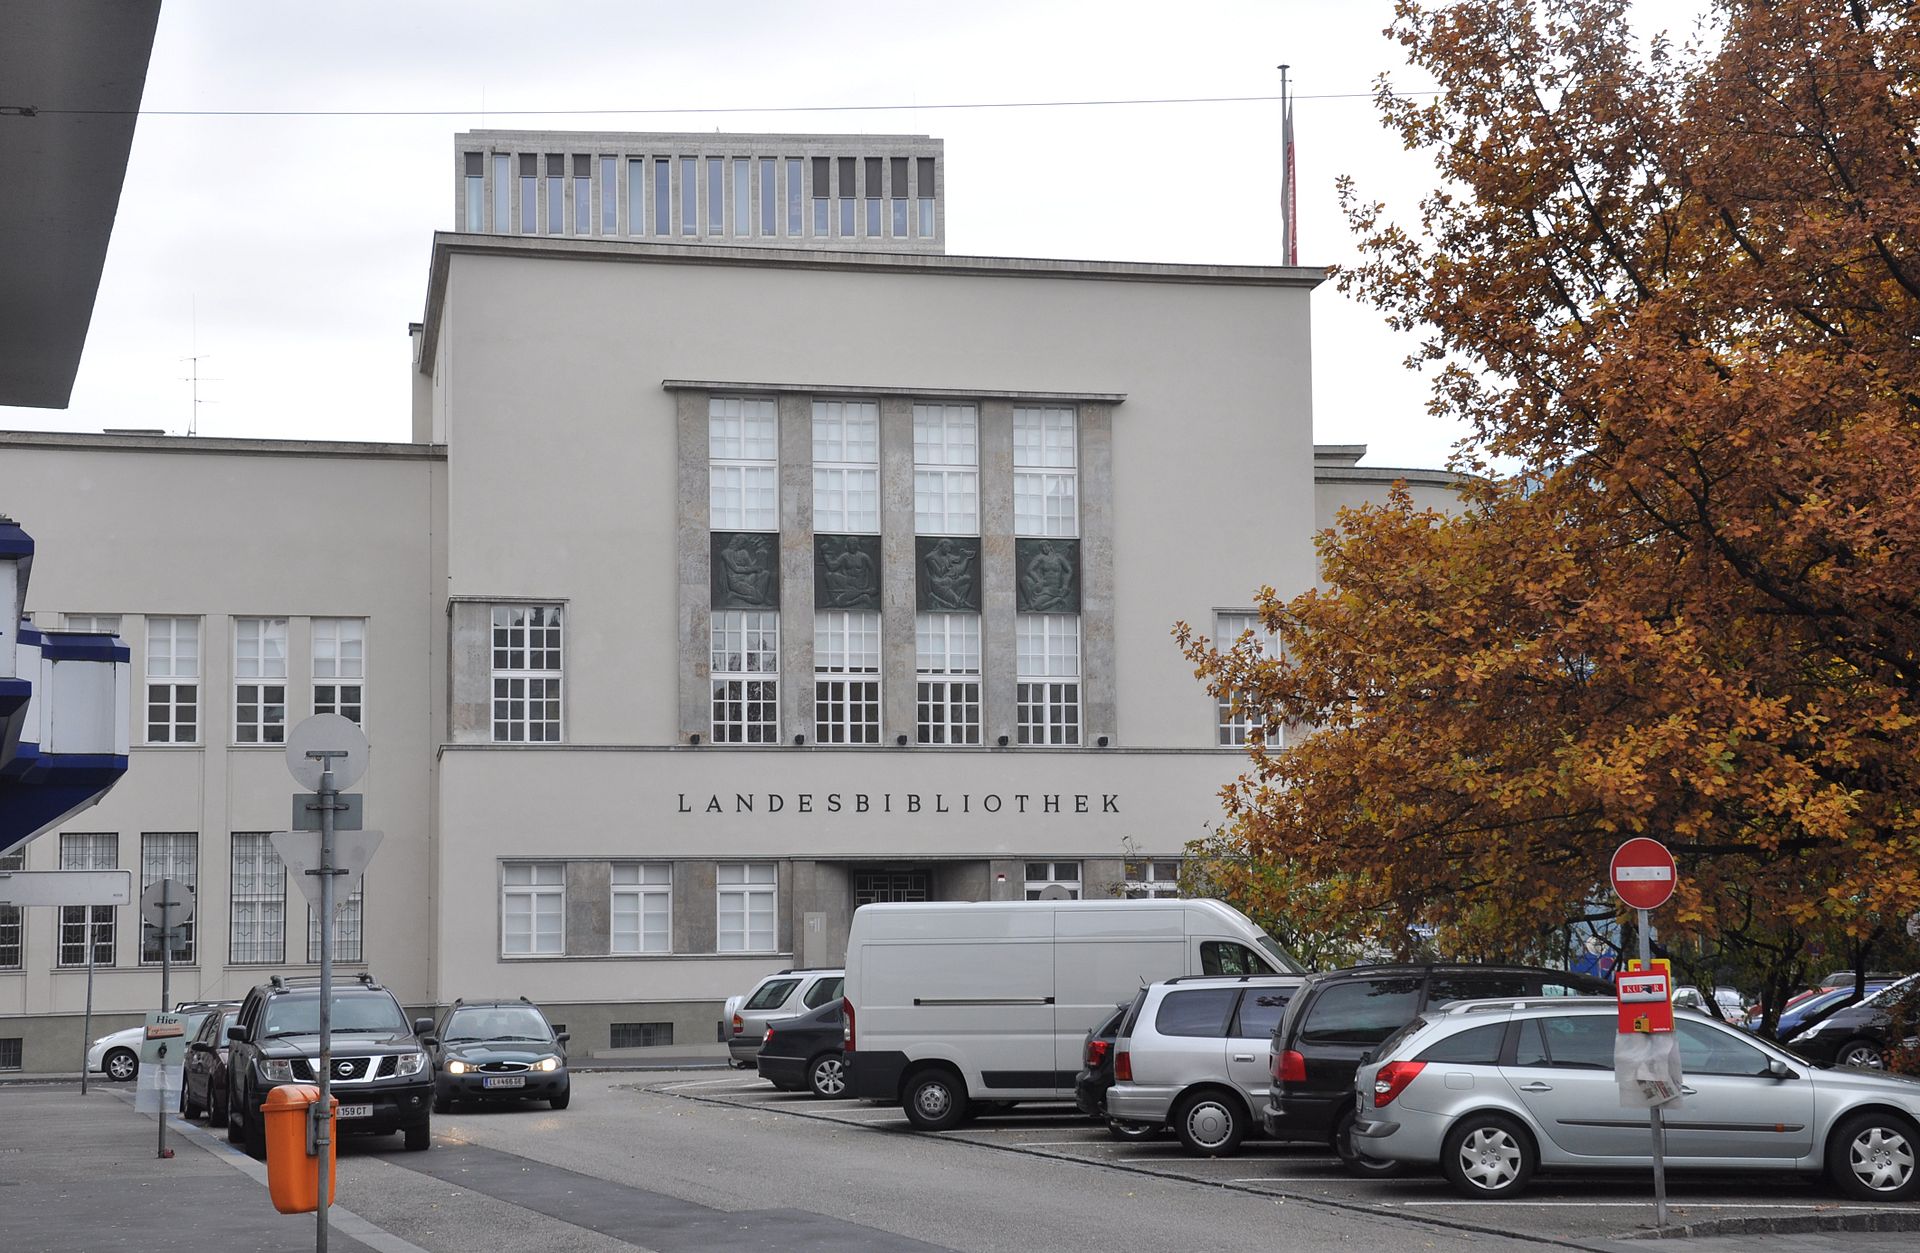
<point x="380" y="1073"/>
<point x="1338" y="1018"/>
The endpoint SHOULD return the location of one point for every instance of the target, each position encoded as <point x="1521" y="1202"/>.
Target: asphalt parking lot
<point x="1576" y="1210"/>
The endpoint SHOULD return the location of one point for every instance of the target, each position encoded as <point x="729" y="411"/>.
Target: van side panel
<point x="986" y="1003"/>
<point x="1092" y="974"/>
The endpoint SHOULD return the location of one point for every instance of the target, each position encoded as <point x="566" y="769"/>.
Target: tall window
<point x="845" y="191"/>
<point x="746" y="677"/>
<point x="716" y="195"/>
<point x="259" y="680"/>
<point x="796" y="195"/>
<point x="769" y="198"/>
<point x="257" y="932"/>
<point x="526" y="674"/>
<point x="946" y="470"/>
<point x="1048" y="685"/>
<point x="925" y="173"/>
<point x="502" y="193"/>
<point x="103" y="623"/>
<point x="533" y="908"/>
<point x="173" y="680"/>
<point x="1045" y="473"/>
<point x="948" y="649"/>
<point x="1235" y="726"/>
<point x="822" y="197"/>
<point x="348" y="918"/>
<point x="1061" y="875"/>
<point x="637" y="196"/>
<point x="662" y="196"/>
<point x="529" y="193"/>
<point x="642" y="907"/>
<point x="689" y="195"/>
<point x="742" y="196"/>
<point x="340" y="667"/>
<point x="897" y="173"/>
<point x="1150" y="879"/>
<point x="747" y="893"/>
<point x="743" y="470"/>
<point x="81" y="924"/>
<point x="169" y="855"/>
<point x="582" y="194"/>
<point x="846" y="681"/>
<point x="556" y="193"/>
<point x="871" y="197"/>
<point x="12" y="942"/>
<point x="610" y="196"/>
<point x="846" y="466"/>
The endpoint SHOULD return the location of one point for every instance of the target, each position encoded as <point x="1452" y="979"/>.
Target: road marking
<point x="739" y="1085"/>
<point x="1671" y="1204"/>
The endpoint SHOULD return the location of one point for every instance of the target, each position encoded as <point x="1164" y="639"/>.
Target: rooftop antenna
<point x="1289" y="242"/>
<point x="193" y="342"/>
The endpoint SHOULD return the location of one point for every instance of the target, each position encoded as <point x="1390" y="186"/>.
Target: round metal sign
<point x="327" y="733"/>
<point x="166" y="904"/>
<point x="1643" y="873"/>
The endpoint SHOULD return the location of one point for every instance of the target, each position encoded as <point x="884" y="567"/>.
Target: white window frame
<point x="743" y="464"/>
<point x="756" y="887"/>
<point x="1152" y="878"/>
<point x="846" y="677"/>
<point x="642" y="892"/>
<point x="946" y="470"/>
<point x="173" y="654"/>
<point x="1048" y="681"/>
<point x="340" y="668"/>
<point x="97" y="623"/>
<point x="1234" y="729"/>
<point x="529" y="673"/>
<point x="349" y="929"/>
<point x="1046" y="475"/>
<point x="256" y="901"/>
<point x="88" y="850"/>
<point x="846" y="467"/>
<point x="947" y="652"/>
<point x="744" y="661"/>
<point x="259" y="681"/>
<point x="13" y="935"/>
<point x="542" y="887"/>
<point x="1064" y="874"/>
<point x="169" y="854"/>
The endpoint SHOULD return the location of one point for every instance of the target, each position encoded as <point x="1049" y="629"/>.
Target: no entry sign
<point x="1642" y="873"/>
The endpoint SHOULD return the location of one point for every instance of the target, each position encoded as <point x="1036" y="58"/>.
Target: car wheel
<point x="1863" y="1053"/>
<point x="419" y="1136"/>
<point x="442" y="1102"/>
<point x="1488" y="1157"/>
<point x="1211" y="1124"/>
<point x="1872" y="1157"/>
<point x="827" y="1076"/>
<point x="1354" y="1160"/>
<point x="255" y="1131"/>
<point x="561" y="1099"/>
<point x="188" y="1110"/>
<point x="121" y="1065"/>
<point x="935" y="1100"/>
<point x="236" y="1132"/>
<point x="216" y="1104"/>
<point x="1133" y="1131"/>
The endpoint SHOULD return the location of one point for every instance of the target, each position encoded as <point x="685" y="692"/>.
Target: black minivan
<point x="1338" y="1018"/>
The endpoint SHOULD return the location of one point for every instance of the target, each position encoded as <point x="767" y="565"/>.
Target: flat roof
<point x="230" y="447"/>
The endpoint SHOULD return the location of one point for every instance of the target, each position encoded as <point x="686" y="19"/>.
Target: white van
<point x="951" y="1003"/>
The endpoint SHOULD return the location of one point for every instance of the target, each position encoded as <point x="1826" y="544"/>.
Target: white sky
<point x="291" y="252"/>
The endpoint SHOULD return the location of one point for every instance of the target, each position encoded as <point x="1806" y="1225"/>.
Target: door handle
<point x="1243" y="1057"/>
<point x="1536" y="1086"/>
<point x="1687" y="1091"/>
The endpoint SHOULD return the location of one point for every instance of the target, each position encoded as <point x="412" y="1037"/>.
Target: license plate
<point x="356" y="1111"/>
<point x="504" y="1081"/>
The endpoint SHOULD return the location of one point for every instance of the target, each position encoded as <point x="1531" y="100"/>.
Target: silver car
<point x="1193" y="1053"/>
<point x="1491" y="1091"/>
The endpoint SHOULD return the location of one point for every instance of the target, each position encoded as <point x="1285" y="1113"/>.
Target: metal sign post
<point x="165" y="907"/>
<point x="86" y="1023"/>
<point x="1653" y="1114"/>
<point x="1643" y="876"/>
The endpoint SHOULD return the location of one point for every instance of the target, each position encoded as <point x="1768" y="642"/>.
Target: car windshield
<point x="368" y="1012"/>
<point x="496" y="1022"/>
<point x="1283" y="961"/>
<point x="1892" y="992"/>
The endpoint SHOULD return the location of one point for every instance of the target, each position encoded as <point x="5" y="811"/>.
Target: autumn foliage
<point x="1674" y="293"/>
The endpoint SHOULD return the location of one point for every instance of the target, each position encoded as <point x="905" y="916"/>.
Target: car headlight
<point x="411" y="1063"/>
<point x="547" y="1063"/>
<point x="277" y="1070"/>
<point x="456" y="1068"/>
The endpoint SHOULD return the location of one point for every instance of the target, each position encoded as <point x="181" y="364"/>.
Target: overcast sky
<point x="291" y="252"/>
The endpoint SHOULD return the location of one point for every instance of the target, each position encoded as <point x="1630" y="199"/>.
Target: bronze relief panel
<point x="1047" y="575"/>
<point x="846" y="572"/>
<point x="745" y="570"/>
<point x="947" y="573"/>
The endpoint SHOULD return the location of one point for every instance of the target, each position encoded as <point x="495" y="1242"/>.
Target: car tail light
<point x="768" y="1037"/>
<point x="739" y="1027"/>
<point x="1289" y="1067"/>
<point x="1392" y="1079"/>
<point x="846" y="1030"/>
<point x="1123" y="1067"/>
<point x="1097" y="1052"/>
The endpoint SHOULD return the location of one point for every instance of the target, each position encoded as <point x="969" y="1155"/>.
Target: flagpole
<point x="1289" y="243"/>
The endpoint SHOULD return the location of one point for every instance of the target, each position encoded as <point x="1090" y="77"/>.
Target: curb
<point x="1792" y="1225"/>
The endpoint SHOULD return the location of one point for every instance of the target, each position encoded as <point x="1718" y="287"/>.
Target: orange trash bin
<point x="292" y="1178"/>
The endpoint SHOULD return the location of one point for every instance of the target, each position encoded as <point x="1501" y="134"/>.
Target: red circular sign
<point x="1643" y="873"/>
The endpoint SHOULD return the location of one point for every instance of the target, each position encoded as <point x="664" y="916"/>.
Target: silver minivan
<point x="1193" y="1053"/>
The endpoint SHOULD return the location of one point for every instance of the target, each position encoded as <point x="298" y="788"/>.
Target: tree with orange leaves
<point x="1675" y="296"/>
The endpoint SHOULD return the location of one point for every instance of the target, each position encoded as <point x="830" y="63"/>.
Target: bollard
<point x="292" y="1180"/>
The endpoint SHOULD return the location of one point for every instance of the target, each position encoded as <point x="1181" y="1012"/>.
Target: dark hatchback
<point x="1340" y="1017"/>
<point x="803" y="1054"/>
<point x="1096" y="1073"/>
<point x="203" y="1076"/>
<point x="498" y="1051"/>
<point x="1862" y="1034"/>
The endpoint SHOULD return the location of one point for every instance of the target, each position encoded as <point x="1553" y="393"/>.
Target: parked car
<point x="1340" y="1017"/>
<point x="783" y="994"/>
<point x="1847" y="978"/>
<point x="380" y="1072"/>
<point x="1492" y="1091"/>
<point x="803" y="1053"/>
<point x="203" y="1077"/>
<point x="498" y="1051"/>
<point x="1860" y="1034"/>
<point x="1804" y="1012"/>
<point x="1096" y="1075"/>
<point x="117" y="1054"/>
<point x="1733" y="1006"/>
<point x="1192" y="1054"/>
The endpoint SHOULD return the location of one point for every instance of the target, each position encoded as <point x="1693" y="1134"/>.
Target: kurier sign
<point x="1642" y="873"/>
<point x="1646" y="997"/>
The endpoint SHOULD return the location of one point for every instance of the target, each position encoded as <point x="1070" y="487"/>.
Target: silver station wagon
<point x="1491" y="1091"/>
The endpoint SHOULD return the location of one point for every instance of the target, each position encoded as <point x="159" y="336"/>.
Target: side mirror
<point x="561" y="1036"/>
<point x="423" y="1026"/>
<point x="237" y="1034"/>
<point x="1779" y="1069"/>
<point x="200" y="1046"/>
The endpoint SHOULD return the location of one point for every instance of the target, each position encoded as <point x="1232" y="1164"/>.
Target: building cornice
<point x="202" y="445"/>
<point x="1389" y="474"/>
<point x="918" y="393"/>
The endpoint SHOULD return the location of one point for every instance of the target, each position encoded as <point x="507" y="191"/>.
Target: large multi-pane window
<point x="1235" y="726"/>
<point x="169" y="855"/>
<point x="846" y="681"/>
<point x="746" y="895"/>
<point x="746" y="676"/>
<point x="846" y="466"/>
<point x="1061" y="877"/>
<point x="743" y="470"/>
<point x="81" y="924"/>
<point x="259" y="680"/>
<point x="1151" y="879"/>
<point x="526" y="674"/>
<point x="642" y="907"/>
<point x="533" y="908"/>
<point x="340" y="667"/>
<point x="1045" y="473"/>
<point x="173" y="680"/>
<point x="257" y="901"/>
<point x="947" y="647"/>
<point x="946" y="470"/>
<point x="349" y="917"/>
<point x="1048" y="684"/>
<point x="12" y="940"/>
